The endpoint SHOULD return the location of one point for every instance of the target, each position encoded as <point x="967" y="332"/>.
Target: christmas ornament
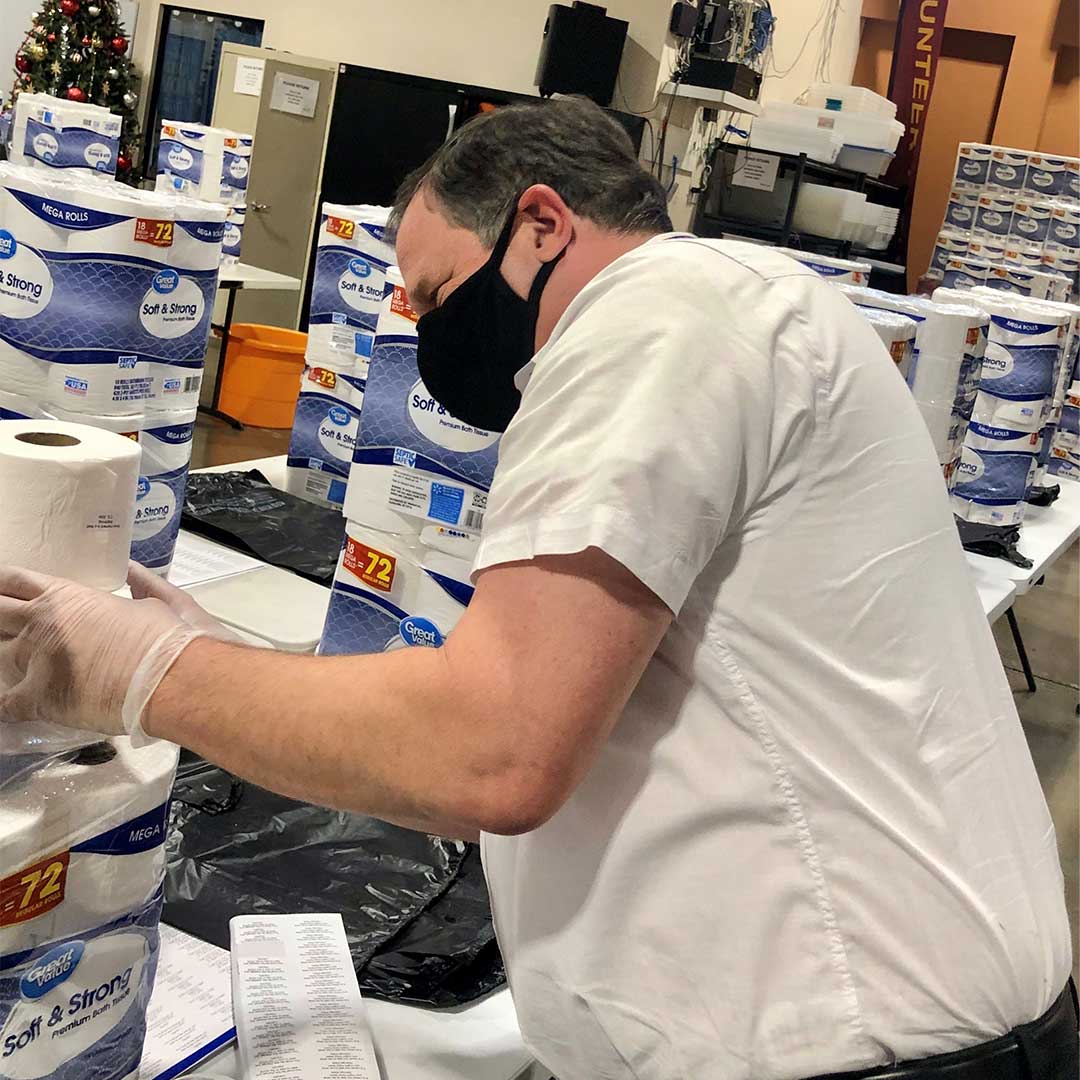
<point x="22" y="62"/>
<point x="106" y="89"/>
<point x="93" y="11"/>
<point x="123" y="163"/>
<point x="70" y="7"/>
<point x="75" y="57"/>
<point x="119" y="43"/>
<point x="86" y="42"/>
<point x="75" y="93"/>
<point x="113" y="73"/>
<point x="39" y="31"/>
<point x="26" y="78"/>
<point x="54" y="68"/>
<point x="37" y="52"/>
<point x="130" y="97"/>
<point x="51" y="39"/>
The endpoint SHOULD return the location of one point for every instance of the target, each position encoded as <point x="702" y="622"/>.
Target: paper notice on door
<point x="249" y="75"/>
<point x="294" y="94"/>
<point x="756" y="171"/>
<point x="297" y="1005"/>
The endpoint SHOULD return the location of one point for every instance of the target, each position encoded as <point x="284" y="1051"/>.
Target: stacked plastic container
<point x="1012" y="223"/>
<point x="346" y="295"/>
<point x="105" y="301"/>
<point x="211" y="164"/>
<point x="73" y="137"/>
<point x="414" y="505"/>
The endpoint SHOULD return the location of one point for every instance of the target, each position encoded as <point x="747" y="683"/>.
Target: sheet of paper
<point x="197" y="560"/>
<point x="249" y="75"/>
<point x="190" y="1014"/>
<point x="299" y="1013"/>
<point x="294" y="94"/>
<point x="756" y="171"/>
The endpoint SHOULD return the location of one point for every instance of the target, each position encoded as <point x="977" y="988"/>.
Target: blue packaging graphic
<point x="347" y="287"/>
<point x="237" y="162"/>
<point x="960" y="212"/>
<point x="72" y="147"/>
<point x="993" y="216"/>
<point x="1008" y="169"/>
<point x="180" y="154"/>
<point x="166" y="456"/>
<point x="993" y="474"/>
<point x="324" y="434"/>
<point x="1013" y="369"/>
<point x="973" y="164"/>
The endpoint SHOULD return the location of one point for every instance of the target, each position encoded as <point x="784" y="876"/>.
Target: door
<point x="283" y="190"/>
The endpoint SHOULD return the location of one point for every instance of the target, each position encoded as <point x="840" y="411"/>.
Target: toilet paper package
<point x="126" y="283"/>
<point x="390" y="592"/>
<point x="897" y="333"/>
<point x="993" y="475"/>
<point x="1021" y="281"/>
<point x="972" y="165"/>
<point x="1047" y="176"/>
<point x="1072" y="178"/>
<point x="965" y="272"/>
<point x="236" y="165"/>
<point x="74" y="136"/>
<point x="1031" y="219"/>
<point x="129" y="425"/>
<point x="1025" y="253"/>
<point x="165" y="442"/>
<point x="68" y="493"/>
<point x="1008" y="169"/>
<point x="1064" y="228"/>
<point x="961" y="208"/>
<point x="81" y="847"/>
<point x="234" y="235"/>
<point x="324" y="435"/>
<point x="191" y="159"/>
<point x="987" y="249"/>
<point x="413" y="460"/>
<point x="1064" y="262"/>
<point x="835" y="270"/>
<point x="994" y="214"/>
<point x="18" y="407"/>
<point x="347" y="287"/>
<point x="1064" y="461"/>
<point x="950" y="244"/>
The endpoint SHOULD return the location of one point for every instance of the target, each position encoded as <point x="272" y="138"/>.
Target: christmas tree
<point x="78" y="51"/>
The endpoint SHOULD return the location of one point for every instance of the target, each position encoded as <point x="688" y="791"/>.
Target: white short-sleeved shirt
<point x="815" y="840"/>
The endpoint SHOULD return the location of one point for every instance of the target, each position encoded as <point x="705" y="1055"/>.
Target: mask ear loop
<point x="502" y="245"/>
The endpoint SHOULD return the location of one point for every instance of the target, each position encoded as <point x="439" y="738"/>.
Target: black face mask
<point x="470" y="348"/>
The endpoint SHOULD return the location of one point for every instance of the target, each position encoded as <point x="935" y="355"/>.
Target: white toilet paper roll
<point x="897" y="333"/>
<point x="390" y="592"/>
<point x="68" y="493"/>
<point x="18" y="407"/>
<point x="36" y="208"/>
<point x="128" y="426"/>
<point x="198" y="236"/>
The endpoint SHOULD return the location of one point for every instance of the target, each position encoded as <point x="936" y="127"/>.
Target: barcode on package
<point x="474" y="520"/>
<point x="192" y="383"/>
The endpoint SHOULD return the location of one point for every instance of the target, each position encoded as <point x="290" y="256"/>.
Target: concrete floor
<point x="1049" y="618"/>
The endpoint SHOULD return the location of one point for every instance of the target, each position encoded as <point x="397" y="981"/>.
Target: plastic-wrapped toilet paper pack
<point x="413" y="460"/>
<point x="165" y="441"/>
<point x="116" y="294"/>
<point x="960" y="210"/>
<point x="972" y="165"/>
<point x="1008" y="169"/>
<point x="233" y="237"/>
<point x="897" y="333"/>
<point x="994" y="214"/>
<point x="348" y="283"/>
<point x="850" y="271"/>
<point x="950" y="244"/>
<point x="1047" y="175"/>
<point x="83" y="842"/>
<point x="391" y="592"/>
<point x="191" y="159"/>
<point x="56" y="133"/>
<point x="235" y="167"/>
<point x="324" y="434"/>
<point x="1064" y="461"/>
<point x="1031" y="219"/>
<point x="19" y="407"/>
<point x="1065" y="225"/>
<point x="965" y="272"/>
<point x="128" y="425"/>
<point x="993" y="475"/>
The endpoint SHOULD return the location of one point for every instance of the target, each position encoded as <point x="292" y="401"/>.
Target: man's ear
<point x="550" y="221"/>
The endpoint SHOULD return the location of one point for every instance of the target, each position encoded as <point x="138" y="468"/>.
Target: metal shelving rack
<point x="723" y="206"/>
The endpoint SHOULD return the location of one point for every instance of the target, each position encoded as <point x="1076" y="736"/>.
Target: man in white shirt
<point x="754" y="800"/>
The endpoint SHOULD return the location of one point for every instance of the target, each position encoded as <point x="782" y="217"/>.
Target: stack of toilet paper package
<point x="946" y="361"/>
<point x="210" y="164"/>
<point x="74" y="137"/>
<point x="414" y="506"/>
<point x="82" y="818"/>
<point x="346" y="295"/>
<point x="838" y="271"/>
<point x="1021" y="388"/>
<point x="105" y="301"/>
<point x="1012" y="223"/>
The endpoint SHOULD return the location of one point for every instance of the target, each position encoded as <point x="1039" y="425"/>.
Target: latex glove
<point x="146" y="585"/>
<point x="77" y="656"/>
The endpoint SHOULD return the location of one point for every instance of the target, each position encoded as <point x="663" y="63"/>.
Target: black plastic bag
<point x="415" y="907"/>
<point x="243" y="511"/>
<point x="1043" y="494"/>
<point x="994" y="541"/>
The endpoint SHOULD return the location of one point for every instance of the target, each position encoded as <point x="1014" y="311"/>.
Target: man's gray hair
<point x="570" y="144"/>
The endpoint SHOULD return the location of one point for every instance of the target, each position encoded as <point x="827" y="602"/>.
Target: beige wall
<point x="484" y="42"/>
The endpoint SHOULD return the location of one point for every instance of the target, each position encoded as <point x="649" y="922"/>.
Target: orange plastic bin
<point x="262" y="374"/>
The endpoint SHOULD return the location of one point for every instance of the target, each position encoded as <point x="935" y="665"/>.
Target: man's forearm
<point x="390" y="734"/>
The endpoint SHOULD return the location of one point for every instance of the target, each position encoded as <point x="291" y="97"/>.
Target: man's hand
<point x="74" y="655"/>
